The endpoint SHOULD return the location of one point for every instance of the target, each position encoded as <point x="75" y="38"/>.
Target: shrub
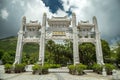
<point x="72" y="69"/>
<point x="54" y="65"/>
<point x="8" y="68"/>
<point x="19" y="68"/>
<point x="109" y="68"/>
<point x="80" y="68"/>
<point x="77" y="69"/>
<point x="24" y="64"/>
<point x="36" y="68"/>
<point x="40" y="69"/>
<point x="45" y="69"/>
<point x="97" y="68"/>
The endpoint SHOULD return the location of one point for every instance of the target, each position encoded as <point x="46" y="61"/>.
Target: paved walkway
<point x="54" y="76"/>
<point x="51" y="76"/>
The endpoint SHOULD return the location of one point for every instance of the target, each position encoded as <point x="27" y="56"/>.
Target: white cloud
<point x="13" y="1"/>
<point x="60" y="13"/>
<point x="84" y="9"/>
<point x="22" y="3"/>
<point x="79" y="5"/>
<point x="4" y="14"/>
<point x="35" y="10"/>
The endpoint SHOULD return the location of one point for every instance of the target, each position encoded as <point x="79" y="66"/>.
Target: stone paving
<point x="52" y="76"/>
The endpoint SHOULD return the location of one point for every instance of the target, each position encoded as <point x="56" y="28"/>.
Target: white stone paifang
<point x="59" y="28"/>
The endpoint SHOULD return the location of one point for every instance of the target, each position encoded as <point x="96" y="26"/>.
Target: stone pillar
<point x="20" y="42"/>
<point x="75" y="40"/>
<point x="99" y="54"/>
<point x="42" y="40"/>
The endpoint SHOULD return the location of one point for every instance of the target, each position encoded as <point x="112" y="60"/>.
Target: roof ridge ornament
<point x="84" y="21"/>
<point x="64" y="17"/>
<point x="73" y="14"/>
<point x="31" y="21"/>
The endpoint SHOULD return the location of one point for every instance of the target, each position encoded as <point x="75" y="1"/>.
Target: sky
<point x="106" y="11"/>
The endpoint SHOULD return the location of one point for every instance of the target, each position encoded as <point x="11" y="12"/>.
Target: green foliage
<point x="72" y="69"/>
<point x="8" y="48"/>
<point x="30" y="48"/>
<point x="45" y="69"/>
<point x="118" y="54"/>
<point x="109" y="68"/>
<point x="36" y="67"/>
<point x="8" y="57"/>
<point x="8" y="44"/>
<point x="54" y="65"/>
<point x="106" y="51"/>
<point x="1" y="53"/>
<point x="77" y="69"/>
<point x="54" y="53"/>
<point x="30" y="59"/>
<point x="58" y="53"/>
<point x="97" y="68"/>
<point x="40" y="69"/>
<point x="19" y="68"/>
<point x="80" y="68"/>
<point x="87" y="54"/>
<point x="8" y="68"/>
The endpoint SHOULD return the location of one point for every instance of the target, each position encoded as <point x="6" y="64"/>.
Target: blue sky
<point x="106" y="11"/>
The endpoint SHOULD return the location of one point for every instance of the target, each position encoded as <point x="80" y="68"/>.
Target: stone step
<point x="58" y="70"/>
<point x="88" y="71"/>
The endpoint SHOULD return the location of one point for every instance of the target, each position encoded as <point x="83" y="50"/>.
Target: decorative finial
<point x="24" y="17"/>
<point x="44" y="14"/>
<point x="94" y="17"/>
<point x="24" y="20"/>
<point x="73" y="14"/>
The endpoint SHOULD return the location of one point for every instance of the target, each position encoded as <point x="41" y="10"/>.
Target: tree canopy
<point x="54" y="53"/>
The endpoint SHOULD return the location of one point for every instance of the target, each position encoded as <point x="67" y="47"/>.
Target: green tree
<point x="50" y="47"/>
<point x="7" y="58"/>
<point x="87" y="53"/>
<point x="60" y="57"/>
<point x="118" y="54"/>
<point x="33" y="58"/>
<point x="25" y="58"/>
<point x="1" y="53"/>
<point x="69" y="50"/>
<point x="105" y="50"/>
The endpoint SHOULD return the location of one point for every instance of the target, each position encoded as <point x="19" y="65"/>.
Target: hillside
<point x="10" y="43"/>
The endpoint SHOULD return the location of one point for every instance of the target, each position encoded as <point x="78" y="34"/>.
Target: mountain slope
<point x="10" y="43"/>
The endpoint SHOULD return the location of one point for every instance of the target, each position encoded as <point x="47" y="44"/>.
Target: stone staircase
<point x="55" y="70"/>
<point x="59" y="70"/>
<point x="88" y="71"/>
